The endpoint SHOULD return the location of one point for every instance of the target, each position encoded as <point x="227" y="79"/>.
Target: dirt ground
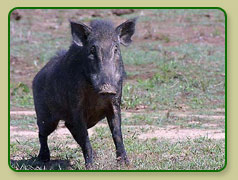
<point x="171" y="132"/>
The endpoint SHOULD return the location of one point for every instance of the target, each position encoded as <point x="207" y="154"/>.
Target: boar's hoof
<point x="89" y="166"/>
<point x="123" y="159"/>
<point x="44" y="157"/>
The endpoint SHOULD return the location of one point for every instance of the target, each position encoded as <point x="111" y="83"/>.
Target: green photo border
<point x="218" y="8"/>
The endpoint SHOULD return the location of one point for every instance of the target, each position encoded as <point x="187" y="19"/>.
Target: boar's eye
<point x="93" y="50"/>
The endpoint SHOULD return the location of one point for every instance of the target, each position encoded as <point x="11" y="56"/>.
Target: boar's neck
<point x="73" y="60"/>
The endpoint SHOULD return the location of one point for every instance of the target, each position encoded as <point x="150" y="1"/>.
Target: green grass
<point x="155" y="154"/>
<point x="201" y="153"/>
<point x="21" y="96"/>
<point x="182" y="75"/>
<point x="24" y="122"/>
<point x="164" y="119"/>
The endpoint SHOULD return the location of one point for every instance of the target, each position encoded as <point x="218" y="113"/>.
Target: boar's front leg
<point x="78" y="129"/>
<point x="114" y="121"/>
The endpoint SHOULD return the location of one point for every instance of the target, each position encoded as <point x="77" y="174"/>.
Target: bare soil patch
<point x="61" y="130"/>
<point x="20" y="69"/>
<point x="25" y="113"/>
<point x="208" y="117"/>
<point x="144" y="71"/>
<point x="174" y="133"/>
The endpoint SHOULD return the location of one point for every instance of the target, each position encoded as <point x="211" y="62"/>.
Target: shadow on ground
<point x="34" y="164"/>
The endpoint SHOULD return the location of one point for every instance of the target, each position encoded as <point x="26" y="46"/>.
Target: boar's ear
<point x="79" y="33"/>
<point x="126" y="30"/>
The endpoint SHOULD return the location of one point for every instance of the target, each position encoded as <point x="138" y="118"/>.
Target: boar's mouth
<point x="107" y="89"/>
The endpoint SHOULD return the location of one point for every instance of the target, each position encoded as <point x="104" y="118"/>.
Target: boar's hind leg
<point x="114" y="121"/>
<point x="46" y="126"/>
<point x="78" y="129"/>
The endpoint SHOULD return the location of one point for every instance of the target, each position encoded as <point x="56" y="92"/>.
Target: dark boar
<point x="84" y="85"/>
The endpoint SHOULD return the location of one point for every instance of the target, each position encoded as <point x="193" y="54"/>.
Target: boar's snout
<point x="107" y="89"/>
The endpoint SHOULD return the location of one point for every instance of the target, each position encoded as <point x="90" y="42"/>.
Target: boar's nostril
<point x="107" y="89"/>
